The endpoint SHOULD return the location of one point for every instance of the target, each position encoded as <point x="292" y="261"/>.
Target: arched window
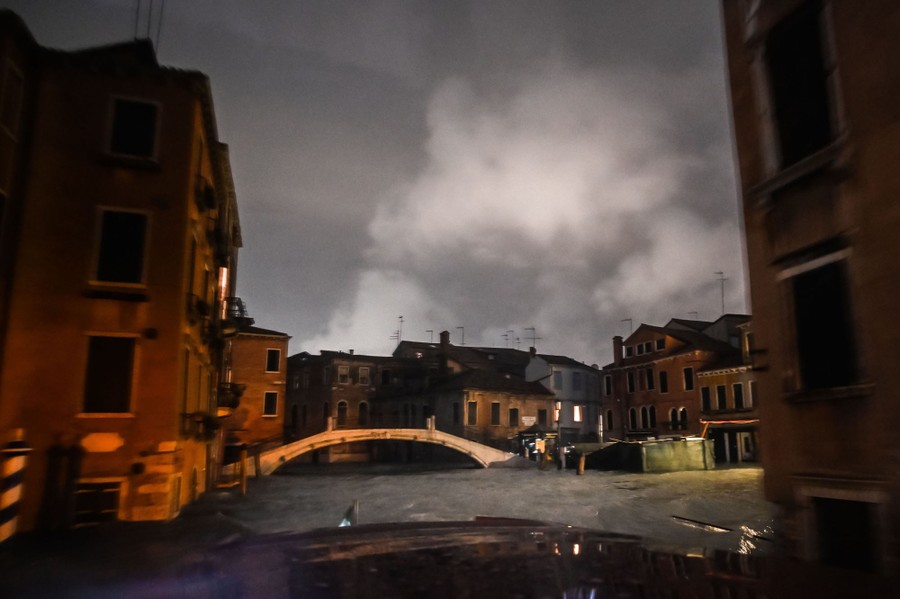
<point x="684" y="419"/>
<point x="364" y="414"/>
<point x="644" y="418"/>
<point x="652" y="416"/>
<point x="342" y="413"/>
<point x="673" y="419"/>
<point x="609" y="420"/>
<point x="632" y="418"/>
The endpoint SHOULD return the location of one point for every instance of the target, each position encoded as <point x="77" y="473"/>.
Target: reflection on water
<point x="725" y="507"/>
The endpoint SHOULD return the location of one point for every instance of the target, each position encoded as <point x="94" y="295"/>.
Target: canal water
<point x="697" y="511"/>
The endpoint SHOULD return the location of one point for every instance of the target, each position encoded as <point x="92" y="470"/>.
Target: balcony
<point x="197" y="309"/>
<point x="236" y="317"/>
<point x="229" y="395"/>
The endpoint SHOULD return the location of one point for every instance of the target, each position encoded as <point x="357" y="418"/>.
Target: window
<point x="363" y="414"/>
<point x="342" y="413"/>
<point x="557" y="380"/>
<point x="456" y="412"/>
<point x="385" y="377"/>
<point x="673" y="419"/>
<point x="688" y="379"/>
<point x="826" y="348"/>
<point x="648" y="375"/>
<point x="663" y="381"/>
<point x="472" y="413"/>
<point x="648" y="347"/>
<point x="576" y="381"/>
<point x="632" y="419"/>
<point x="120" y="256"/>
<point x="683" y="417"/>
<point x="652" y="416"/>
<point x="110" y="364"/>
<point x="542" y="417"/>
<point x="630" y="381"/>
<point x="660" y="344"/>
<point x="721" y="400"/>
<point x="738" y="392"/>
<point x="495" y="413"/>
<point x="273" y="360"/>
<point x="343" y="375"/>
<point x="556" y="411"/>
<point x="133" y="128"/>
<point x="640" y="349"/>
<point x="846" y="533"/>
<point x="629" y="351"/>
<point x="705" y="400"/>
<point x="645" y="422"/>
<point x="270" y="403"/>
<point x="751" y="399"/>
<point x="799" y="84"/>
<point x="364" y="375"/>
<point x="96" y="502"/>
<point x="514" y="416"/>
<point x="577" y="415"/>
<point x="607" y="384"/>
<point x="609" y="420"/>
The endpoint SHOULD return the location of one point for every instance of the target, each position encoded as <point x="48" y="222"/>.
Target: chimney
<point x="351" y="352"/>
<point x="617" y="350"/>
<point x="532" y="351"/>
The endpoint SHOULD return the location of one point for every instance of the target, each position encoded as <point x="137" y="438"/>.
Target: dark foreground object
<point x="488" y="557"/>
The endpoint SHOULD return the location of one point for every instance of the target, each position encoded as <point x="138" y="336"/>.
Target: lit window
<point x="577" y="416"/>
<point x="556" y="410"/>
<point x="270" y="403"/>
<point x="120" y="256"/>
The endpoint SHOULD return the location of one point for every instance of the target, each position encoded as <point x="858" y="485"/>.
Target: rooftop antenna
<point x="508" y="335"/>
<point x="630" y="325"/>
<point x="400" y="329"/>
<point x="463" y="329"/>
<point x="430" y="332"/>
<point x="534" y="337"/>
<point x="518" y="342"/>
<point x="722" y="280"/>
<point x="694" y="314"/>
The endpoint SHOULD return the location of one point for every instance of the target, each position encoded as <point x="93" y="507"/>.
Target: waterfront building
<point x="259" y="362"/>
<point x="118" y="281"/>
<point x="651" y="388"/>
<point x="814" y="87"/>
<point x="576" y="390"/>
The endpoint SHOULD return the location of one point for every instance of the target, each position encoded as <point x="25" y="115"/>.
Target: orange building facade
<point x="814" y="88"/>
<point x="116" y="297"/>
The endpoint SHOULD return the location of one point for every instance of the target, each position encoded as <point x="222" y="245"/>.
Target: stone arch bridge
<point x="272" y="459"/>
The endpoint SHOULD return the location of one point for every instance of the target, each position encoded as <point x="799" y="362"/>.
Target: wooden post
<point x="581" y="463"/>
<point x="243" y="469"/>
<point x="256" y="463"/>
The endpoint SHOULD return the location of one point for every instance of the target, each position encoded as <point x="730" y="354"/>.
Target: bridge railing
<point x="379" y="421"/>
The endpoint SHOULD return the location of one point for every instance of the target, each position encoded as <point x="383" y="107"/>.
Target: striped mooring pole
<point x="13" y="458"/>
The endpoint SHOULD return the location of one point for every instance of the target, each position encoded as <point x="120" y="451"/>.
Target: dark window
<point x="644" y="419"/>
<point x="576" y="381"/>
<point x="632" y="419"/>
<point x="705" y="400"/>
<point x="630" y="380"/>
<point x="794" y="55"/>
<point x="134" y="128"/>
<point x="385" y="377"/>
<point x="738" y="392"/>
<point x="472" y="413"/>
<point x="514" y="416"/>
<point x="609" y="420"/>
<point x="651" y="384"/>
<point x="673" y="419"/>
<point x="721" y="400"/>
<point x="557" y="380"/>
<point x="826" y="350"/>
<point x="660" y="344"/>
<point x="648" y="347"/>
<point x="363" y="414"/>
<point x="273" y="360"/>
<point x="495" y="413"/>
<point x="607" y="384"/>
<point x="96" y="502"/>
<point x="663" y="381"/>
<point x="456" y="412"/>
<point x="846" y="533"/>
<point x="652" y="416"/>
<point x="120" y="257"/>
<point x="542" y="417"/>
<point x="107" y="386"/>
<point x="270" y="403"/>
<point x="752" y="399"/>
<point x="683" y="416"/>
<point x="688" y="379"/>
<point x="629" y="351"/>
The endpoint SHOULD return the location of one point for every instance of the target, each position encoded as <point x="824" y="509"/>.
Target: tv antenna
<point x="722" y="280"/>
<point x="463" y="329"/>
<point x="534" y="337"/>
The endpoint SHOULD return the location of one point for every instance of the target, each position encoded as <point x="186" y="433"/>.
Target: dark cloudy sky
<point x="493" y="165"/>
